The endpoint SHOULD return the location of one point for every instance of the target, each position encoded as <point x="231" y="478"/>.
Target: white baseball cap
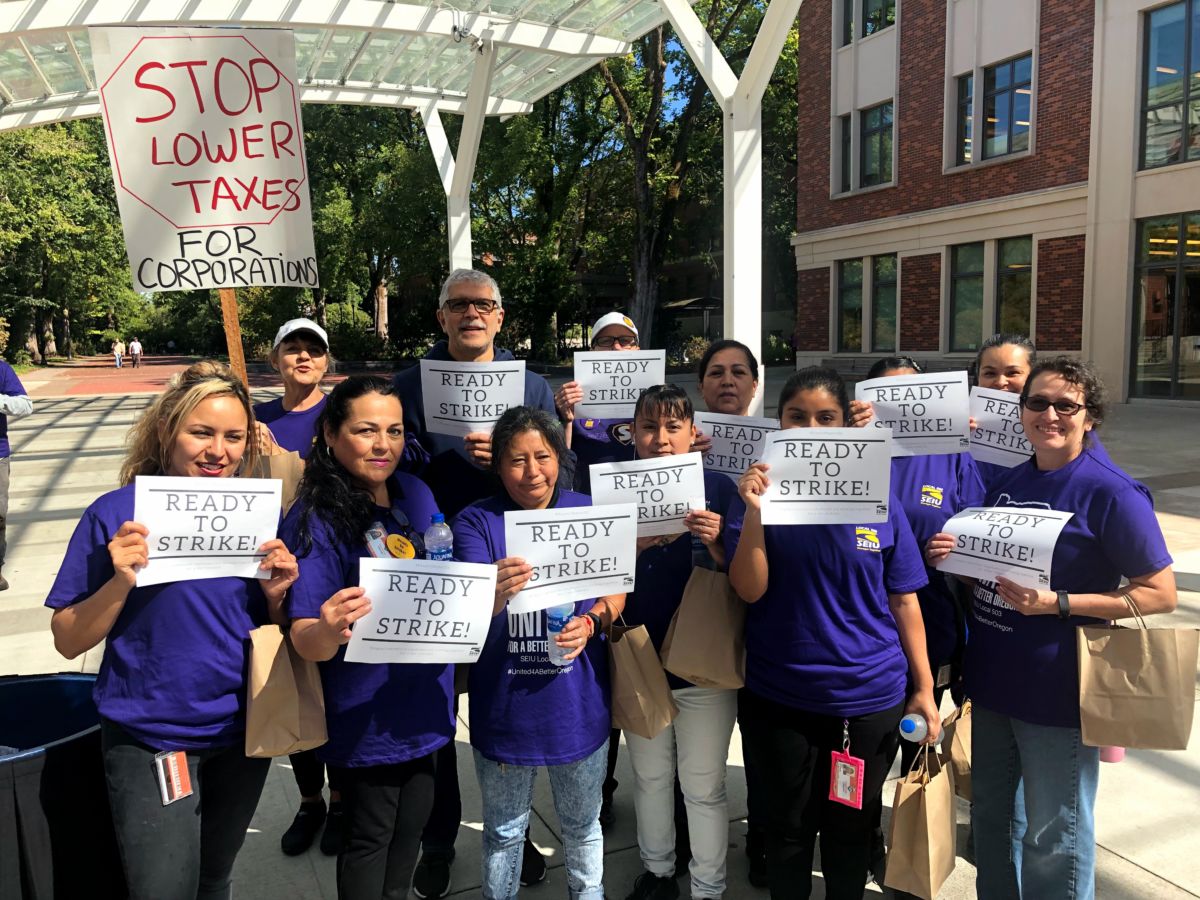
<point x="613" y="318"/>
<point x="291" y="327"/>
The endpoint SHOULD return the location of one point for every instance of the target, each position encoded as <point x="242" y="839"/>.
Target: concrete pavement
<point x="68" y="453"/>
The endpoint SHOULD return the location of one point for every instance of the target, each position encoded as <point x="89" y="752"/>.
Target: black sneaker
<point x="335" y="823"/>
<point x="304" y="828"/>
<point x="533" y="864"/>
<point x="3" y="583"/>
<point x="649" y="886"/>
<point x="431" y="880"/>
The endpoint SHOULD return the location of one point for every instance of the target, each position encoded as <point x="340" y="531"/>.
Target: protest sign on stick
<point x="612" y="380"/>
<point x="661" y="487"/>
<point x="465" y="397"/>
<point x="928" y="414"/>
<point x="205" y="527"/>
<point x="827" y="476"/>
<point x="423" y="611"/>
<point x="576" y="552"/>
<point x="1014" y="541"/>
<point x="998" y="437"/>
<point x="737" y="441"/>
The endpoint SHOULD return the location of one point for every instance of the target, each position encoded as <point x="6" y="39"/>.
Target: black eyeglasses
<point x="1062" y="407"/>
<point x="607" y="343"/>
<point x="458" y="305"/>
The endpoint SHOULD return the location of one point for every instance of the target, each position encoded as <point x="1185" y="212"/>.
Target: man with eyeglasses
<point x="470" y="312"/>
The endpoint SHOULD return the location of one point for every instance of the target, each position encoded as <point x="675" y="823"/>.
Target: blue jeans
<point x="507" y="797"/>
<point x="1054" y="854"/>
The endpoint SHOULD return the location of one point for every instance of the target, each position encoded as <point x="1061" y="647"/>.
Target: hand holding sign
<point x="1027" y="601"/>
<point x="129" y="551"/>
<point x="512" y="574"/>
<point x="342" y="610"/>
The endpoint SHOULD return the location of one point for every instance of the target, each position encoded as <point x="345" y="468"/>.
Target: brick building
<point x="974" y="166"/>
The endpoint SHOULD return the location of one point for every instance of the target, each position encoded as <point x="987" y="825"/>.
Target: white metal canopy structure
<point x="476" y="58"/>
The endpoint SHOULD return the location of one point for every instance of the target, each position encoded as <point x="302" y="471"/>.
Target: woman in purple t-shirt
<point x="386" y="721"/>
<point x="833" y="633"/>
<point x="172" y="679"/>
<point x="527" y="711"/>
<point x="1022" y="662"/>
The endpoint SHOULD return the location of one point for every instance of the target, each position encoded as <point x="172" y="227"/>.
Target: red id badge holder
<point x="174" y="779"/>
<point x="846" y="773"/>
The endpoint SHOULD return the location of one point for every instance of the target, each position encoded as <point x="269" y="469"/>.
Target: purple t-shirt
<point x="931" y="489"/>
<point x="377" y="713"/>
<point x="293" y="430"/>
<point x="823" y="639"/>
<point x="174" y="668"/>
<point x="526" y="711"/>
<point x="599" y="441"/>
<point x="1027" y="666"/>
<point x="11" y="385"/>
<point x="663" y="573"/>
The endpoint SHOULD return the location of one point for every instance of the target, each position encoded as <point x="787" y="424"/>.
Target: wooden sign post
<point x="233" y="333"/>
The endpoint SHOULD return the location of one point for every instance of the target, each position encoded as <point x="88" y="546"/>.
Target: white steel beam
<point x="30" y="16"/>
<point x="768" y="44"/>
<point x="33" y="64"/>
<point x="702" y="49"/>
<point x="83" y="70"/>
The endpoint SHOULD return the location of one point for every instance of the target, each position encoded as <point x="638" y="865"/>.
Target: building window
<point x="876" y="145"/>
<point x="847" y="21"/>
<point x="1166" y="309"/>
<point x="966" y="297"/>
<point x="965" y="124"/>
<point x="849" y="311"/>
<point x="878" y="15"/>
<point x="1171" y="85"/>
<point x="1007" y="92"/>
<point x="844" y="136"/>
<point x="883" y="303"/>
<point x="1014" y="285"/>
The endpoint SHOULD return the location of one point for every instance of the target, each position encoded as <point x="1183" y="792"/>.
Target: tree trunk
<point x="381" y="310"/>
<point x="319" y="307"/>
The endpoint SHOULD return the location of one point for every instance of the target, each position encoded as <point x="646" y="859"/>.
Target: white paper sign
<point x="464" y="397"/>
<point x="999" y="437"/>
<point x="423" y="611"/>
<point x="661" y="487"/>
<point x="1014" y="541"/>
<point x="207" y="150"/>
<point x="827" y="476"/>
<point x="737" y="441"/>
<point x="612" y="380"/>
<point x="576" y="553"/>
<point x="205" y="527"/>
<point x="928" y="414"/>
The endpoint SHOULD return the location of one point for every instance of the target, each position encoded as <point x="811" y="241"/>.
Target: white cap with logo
<point x="613" y="318"/>
<point x="291" y="327"/>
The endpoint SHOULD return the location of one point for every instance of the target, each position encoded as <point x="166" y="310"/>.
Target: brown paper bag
<point x="285" y="708"/>
<point x="287" y="467"/>
<point x="706" y="641"/>
<point x="956" y="740"/>
<point x="641" y="698"/>
<point x="1137" y="686"/>
<point x="921" y="846"/>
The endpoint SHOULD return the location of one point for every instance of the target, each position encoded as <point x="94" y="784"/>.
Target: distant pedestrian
<point x="14" y="403"/>
<point x="135" y="352"/>
<point x="118" y="350"/>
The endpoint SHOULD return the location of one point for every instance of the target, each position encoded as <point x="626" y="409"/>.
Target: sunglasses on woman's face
<point x="1039" y="404"/>
<point x="607" y="343"/>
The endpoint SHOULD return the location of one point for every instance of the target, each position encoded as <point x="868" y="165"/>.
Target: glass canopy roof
<point x="347" y="51"/>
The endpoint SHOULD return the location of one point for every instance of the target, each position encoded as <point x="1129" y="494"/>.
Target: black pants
<point x="184" y="851"/>
<point x="385" y="809"/>
<point x="756" y="789"/>
<point x="310" y="774"/>
<point x="441" y="830"/>
<point x="795" y="748"/>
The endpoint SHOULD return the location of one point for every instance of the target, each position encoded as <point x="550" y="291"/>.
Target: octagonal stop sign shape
<point x="206" y="131"/>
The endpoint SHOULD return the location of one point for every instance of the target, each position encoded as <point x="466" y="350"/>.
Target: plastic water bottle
<point x="913" y="727"/>
<point x="439" y="539"/>
<point x="557" y="618"/>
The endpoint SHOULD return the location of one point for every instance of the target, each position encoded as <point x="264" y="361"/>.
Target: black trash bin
<point x="56" y="833"/>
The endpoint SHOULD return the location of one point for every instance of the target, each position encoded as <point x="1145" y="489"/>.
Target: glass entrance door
<point x="1166" y="309"/>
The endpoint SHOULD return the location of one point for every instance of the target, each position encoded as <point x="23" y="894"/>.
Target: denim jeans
<point x="697" y="743"/>
<point x="507" y="798"/>
<point x="1049" y="768"/>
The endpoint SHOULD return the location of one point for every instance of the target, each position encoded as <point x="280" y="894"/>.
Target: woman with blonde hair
<point x="172" y="678"/>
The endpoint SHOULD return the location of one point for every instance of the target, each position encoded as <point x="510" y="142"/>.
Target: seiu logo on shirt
<point x="931" y="495"/>
<point x="866" y="539"/>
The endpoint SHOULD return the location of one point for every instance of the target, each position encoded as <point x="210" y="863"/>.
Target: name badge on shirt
<point x="174" y="779"/>
<point x="846" y="773"/>
<point x="376" y="538"/>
